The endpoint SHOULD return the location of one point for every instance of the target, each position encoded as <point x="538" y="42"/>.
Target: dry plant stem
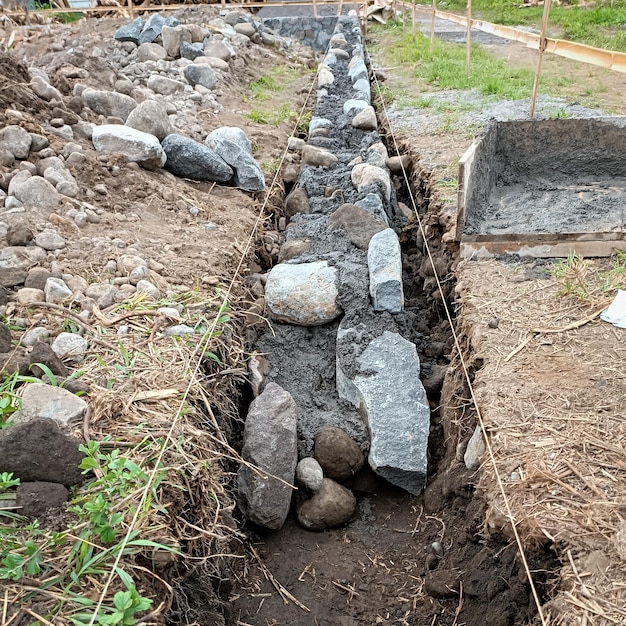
<point x="284" y="594"/>
<point x="573" y="325"/>
<point x="108" y="322"/>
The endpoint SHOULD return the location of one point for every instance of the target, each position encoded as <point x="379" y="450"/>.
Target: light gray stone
<point x="190" y="159"/>
<point x="214" y="63"/>
<point x="333" y="505"/>
<point x="295" y="144"/>
<point x="354" y="104"/>
<point x="37" y="191"/>
<point x="325" y="76"/>
<point x="39" y="142"/>
<point x="136" y="145"/>
<point x="391" y="395"/>
<point x="56" y="290"/>
<point x="364" y="174"/>
<point x="201" y="74"/>
<point x="304" y="294"/>
<point x="150" y="52"/>
<point x="310" y="474"/>
<point x="20" y="258"/>
<point x="234" y="147"/>
<point x="245" y="28"/>
<point x="109" y="103"/>
<point x="15" y="140"/>
<point x="145" y="286"/>
<point x="178" y="330"/>
<point x="46" y="401"/>
<point x="28" y="295"/>
<point x="357" y="70"/>
<point x="45" y="90"/>
<point x="475" y="449"/>
<point x="365" y="119"/>
<point x="357" y="222"/>
<point x="218" y="49"/>
<point x="102" y="293"/>
<point x="126" y="263"/>
<point x="270" y="444"/>
<point x="34" y="335"/>
<point x="70" y="346"/>
<point x="363" y="90"/>
<point x="141" y="272"/>
<point x="384" y="261"/>
<point x="151" y="117"/>
<point x="173" y="37"/>
<point x="164" y="85"/>
<point x="50" y="240"/>
<point x="318" y="157"/>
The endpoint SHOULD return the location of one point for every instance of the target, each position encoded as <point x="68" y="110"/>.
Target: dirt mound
<point x="14" y="90"/>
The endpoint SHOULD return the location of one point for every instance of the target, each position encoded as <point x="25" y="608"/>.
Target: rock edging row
<point x="337" y="357"/>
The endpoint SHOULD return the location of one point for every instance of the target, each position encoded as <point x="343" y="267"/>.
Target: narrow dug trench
<point x="426" y="558"/>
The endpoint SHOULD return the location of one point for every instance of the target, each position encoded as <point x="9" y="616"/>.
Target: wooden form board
<point x="536" y="245"/>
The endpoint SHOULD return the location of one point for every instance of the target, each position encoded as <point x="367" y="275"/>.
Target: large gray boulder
<point x="37" y="191"/>
<point x="388" y="390"/>
<point x="190" y="159"/>
<point x="304" y="294"/>
<point x="269" y="444"/>
<point x="109" y="103"/>
<point x="384" y="261"/>
<point x="234" y="147"/>
<point x="135" y="145"/>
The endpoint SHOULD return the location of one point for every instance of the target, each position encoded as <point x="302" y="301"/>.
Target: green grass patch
<point x="272" y="118"/>
<point x="444" y="68"/>
<point x="601" y="25"/>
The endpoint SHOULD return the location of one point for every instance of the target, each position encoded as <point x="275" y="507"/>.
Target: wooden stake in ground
<point x="468" y="37"/>
<point x="413" y="20"/>
<point x="315" y="8"/>
<point x="432" y="27"/>
<point x="542" y="47"/>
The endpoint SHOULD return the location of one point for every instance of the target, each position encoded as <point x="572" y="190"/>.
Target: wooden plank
<point x="542" y="237"/>
<point x="547" y="250"/>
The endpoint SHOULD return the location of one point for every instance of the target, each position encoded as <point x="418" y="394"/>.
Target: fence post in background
<point x="542" y="47"/>
<point x="340" y="7"/>
<point x="468" y="37"/>
<point x="413" y="25"/>
<point x="432" y="27"/>
<point x="131" y="8"/>
<point x="223" y="4"/>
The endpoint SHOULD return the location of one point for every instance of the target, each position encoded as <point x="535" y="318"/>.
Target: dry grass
<point x="553" y="406"/>
<point x="173" y="399"/>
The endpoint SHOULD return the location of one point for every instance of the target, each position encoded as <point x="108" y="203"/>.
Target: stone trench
<point x="338" y="399"/>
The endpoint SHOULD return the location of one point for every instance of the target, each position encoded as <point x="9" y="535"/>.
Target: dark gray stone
<point x="39" y="450"/>
<point x="374" y="204"/>
<point x="201" y="74"/>
<point x="270" y="444"/>
<point x="190" y="159"/>
<point x="191" y="51"/>
<point x="337" y="453"/>
<point x="234" y="147"/>
<point x="151" y="29"/>
<point x="34" y="499"/>
<point x="5" y="338"/>
<point x="130" y="32"/>
<point x="359" y="224"/>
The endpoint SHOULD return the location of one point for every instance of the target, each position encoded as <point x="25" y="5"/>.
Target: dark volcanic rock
<point x="38" y="497"/>
<point x="190" y="159"/>
<point x="39" y="451"/>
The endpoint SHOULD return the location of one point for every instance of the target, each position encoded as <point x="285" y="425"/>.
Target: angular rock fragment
<point x="190" y="159"/>
<point x="109" y="103"/>
<point x="359" y="224"/>
<point x="391" y="396"/>
<point x="384" y="261"/>
<point x="40" y="400"/>
<point x="135" y="145"/>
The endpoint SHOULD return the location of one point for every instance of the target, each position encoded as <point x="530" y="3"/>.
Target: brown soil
<point x="404" y="560"/>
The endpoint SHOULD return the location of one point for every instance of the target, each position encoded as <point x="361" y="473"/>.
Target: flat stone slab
<point x="270" y="444"/>
<point x="40" y="400"/>
<point x="304" y="294"/>
<point x="384" y="261"/>
<point x="393" y="399"/>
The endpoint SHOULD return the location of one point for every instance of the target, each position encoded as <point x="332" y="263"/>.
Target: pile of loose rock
<point x="343" y="379"/>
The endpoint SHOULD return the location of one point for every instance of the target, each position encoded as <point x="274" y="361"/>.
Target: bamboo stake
<point x="432" y="27"/>
<point x="314" y="7"/>
<point x="468" y="37"/>
<point x="340" y="7"/>
<point x="413" y="20"/>
<point x="131" y="8"/>
<point x="542" y="47"/>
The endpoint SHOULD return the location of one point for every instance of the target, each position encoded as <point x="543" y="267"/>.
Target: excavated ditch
<point x="401" y="559"/>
